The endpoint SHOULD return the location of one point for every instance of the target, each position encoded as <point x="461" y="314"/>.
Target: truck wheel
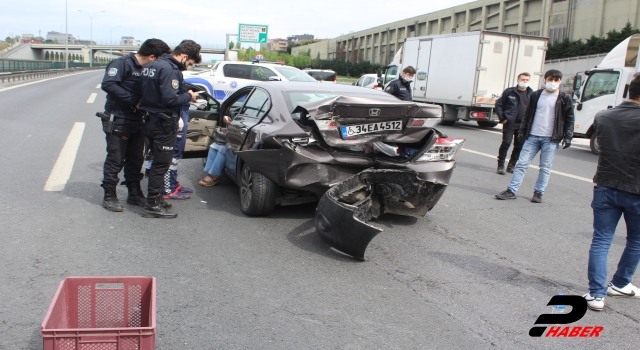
<point x="485" y="124"/>
<point x="257" y="193"/>
<point x="595" y="149"/>
<point x="447" y="122"/>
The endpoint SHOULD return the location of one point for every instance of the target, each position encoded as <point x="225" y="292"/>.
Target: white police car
<point x="228" y="76"/>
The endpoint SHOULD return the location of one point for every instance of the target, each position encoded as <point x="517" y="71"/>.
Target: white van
<point x="228" y="76"/>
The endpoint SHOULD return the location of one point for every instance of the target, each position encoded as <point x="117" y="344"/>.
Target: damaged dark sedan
<point x="361" y="154"/>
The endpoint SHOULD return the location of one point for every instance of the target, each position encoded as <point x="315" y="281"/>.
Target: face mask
<point x="407" y="80"/>
<point x="551" y="86"/>
<point x="523" y="85"/>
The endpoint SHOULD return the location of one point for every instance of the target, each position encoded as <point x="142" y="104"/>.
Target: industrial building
<point x="557" y="19"/>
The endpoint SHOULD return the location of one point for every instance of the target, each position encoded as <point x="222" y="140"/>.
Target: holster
<point x="168" y="122"/>
<point x="108" y="122"/>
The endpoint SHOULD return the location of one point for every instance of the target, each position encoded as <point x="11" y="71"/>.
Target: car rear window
<point x="296" y="98"/>
<point x="322" y="76"/>
<point x="294" y="74"/>
<point x="368" y="80"/>
<point x="241" y="71"/>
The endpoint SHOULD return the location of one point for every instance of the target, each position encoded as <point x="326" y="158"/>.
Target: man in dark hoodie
<point x="510" y="107"/>
<point x="125" y="143"/>
<point x="163" y="95"/>
<point x="616" y="193"/>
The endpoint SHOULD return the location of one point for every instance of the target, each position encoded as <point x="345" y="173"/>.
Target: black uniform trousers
<point x="509" y="134"/>
<point x="161" y="145"/>
<point x="125" y="149"/>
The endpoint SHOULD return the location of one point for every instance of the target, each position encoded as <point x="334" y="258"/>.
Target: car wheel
<point x="447" y="122"/>
<point x="595" y="148"/>
<point x="485" y="124"/>
<point x="257" y="193"/>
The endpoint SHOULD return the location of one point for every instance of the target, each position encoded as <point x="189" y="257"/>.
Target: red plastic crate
<point x="102" y="313"/>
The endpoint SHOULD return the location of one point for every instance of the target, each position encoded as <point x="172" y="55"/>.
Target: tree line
<point x="593" y="45"/>
<point x="304" y="60"/>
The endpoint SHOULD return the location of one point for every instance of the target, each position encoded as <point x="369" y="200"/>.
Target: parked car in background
<point x="226" y="77"/>
<point x="322" y="75"/>
<point x="369" y="81"/>
<point x="361" y="153"/>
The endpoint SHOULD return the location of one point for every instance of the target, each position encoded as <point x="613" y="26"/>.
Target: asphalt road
<point x="475" y="273"/>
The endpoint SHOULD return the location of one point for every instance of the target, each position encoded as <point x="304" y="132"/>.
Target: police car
<point x="226" y="77"/>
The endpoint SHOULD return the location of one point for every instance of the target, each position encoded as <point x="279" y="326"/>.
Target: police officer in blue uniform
<point x="163" y="94"/>
<point x="401" y="87"/>
<point x="124" y="126"/>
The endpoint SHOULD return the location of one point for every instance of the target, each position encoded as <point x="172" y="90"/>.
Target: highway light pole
<point x="111" y="36"/>
<point x="91" y="35"/>
<point x="66" y="34"/>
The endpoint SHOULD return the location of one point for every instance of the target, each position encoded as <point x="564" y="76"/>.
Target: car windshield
<point x="294" y="74"/>
<point x="297" y="98"/>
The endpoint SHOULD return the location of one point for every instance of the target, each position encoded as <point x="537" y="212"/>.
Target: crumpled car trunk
<point x="342" y="214"/>
<point x="346" y="121"/>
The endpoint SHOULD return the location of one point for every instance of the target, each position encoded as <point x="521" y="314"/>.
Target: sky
<point x="207" y="22"/>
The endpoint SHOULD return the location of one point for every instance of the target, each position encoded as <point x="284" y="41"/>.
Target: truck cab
<point x="606" y="86"/>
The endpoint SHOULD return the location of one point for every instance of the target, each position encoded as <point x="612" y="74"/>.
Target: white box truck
<point x="606" y="86"/>
<point x="466" y="73"/>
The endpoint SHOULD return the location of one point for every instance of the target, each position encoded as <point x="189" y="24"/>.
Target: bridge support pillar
<point x="86" y="53"/>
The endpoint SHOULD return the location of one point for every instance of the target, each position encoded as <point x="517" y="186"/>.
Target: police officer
<point x="163" y="94"/>
<point x="401" y="87"/>
<point x="124" y="128"/>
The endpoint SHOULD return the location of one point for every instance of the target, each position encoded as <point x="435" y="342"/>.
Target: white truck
<point x="606" y="86"/>
<point x="466" y="73"/>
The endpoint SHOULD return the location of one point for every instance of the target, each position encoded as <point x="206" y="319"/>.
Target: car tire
<point x="595" y="148"/>
<point x="257" y="193"/>
<point x="485" y="124"/>
<point x="447" y="122"/>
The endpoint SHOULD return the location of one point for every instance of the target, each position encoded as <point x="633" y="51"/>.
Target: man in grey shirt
<point x="547" y="122"/>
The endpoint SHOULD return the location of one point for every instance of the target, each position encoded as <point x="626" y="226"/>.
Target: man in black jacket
<point x="509" y="107"/>
<point x="617" y="192"/>
<point x="125" y="143"/>
<point x="401" y="87"/>
<point x="163" y="94"/>
<point x="547" y="122"/>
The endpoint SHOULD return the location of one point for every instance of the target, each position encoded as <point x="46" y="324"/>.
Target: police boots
<point x="110" y="201"/>
<point x="156" y="209"/>
<point x="136" y="197"/>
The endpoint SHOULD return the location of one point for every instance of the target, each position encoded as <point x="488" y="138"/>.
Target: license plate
<point x="353" y="130"/>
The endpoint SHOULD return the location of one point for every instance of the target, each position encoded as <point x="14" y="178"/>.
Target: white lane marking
<point x="98" y="86"/>
<point x="43" y="80"/>
<point x="574" y="142"/>
<point x="534" y="166"/>
<point x="476" y="129"/>
<point x="62" y="169"/>
<point x="92" y="98"/>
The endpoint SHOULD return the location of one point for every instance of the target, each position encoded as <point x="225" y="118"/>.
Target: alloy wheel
<point x="246" y="187"/>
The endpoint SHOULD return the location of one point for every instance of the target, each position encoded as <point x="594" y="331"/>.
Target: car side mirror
<point x="274" y="79"/>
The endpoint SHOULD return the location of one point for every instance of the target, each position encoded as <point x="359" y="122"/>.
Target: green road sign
<point x="253" y="33"/>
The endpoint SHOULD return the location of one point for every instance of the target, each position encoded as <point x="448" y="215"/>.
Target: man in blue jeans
<point x="617" y="193"/>
<point x="547" y="122"/>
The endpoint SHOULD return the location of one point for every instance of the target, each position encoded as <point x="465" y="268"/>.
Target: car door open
<point x="201" y="127"/>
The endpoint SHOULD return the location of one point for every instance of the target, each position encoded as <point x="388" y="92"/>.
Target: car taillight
<point x="445" y="149"/>
<point x="422" y="122"/>
<point x="375" y="87"/>
<point x="335" y="78"/>
<point x="326" y="124"/>
<point x="479" y="114"/>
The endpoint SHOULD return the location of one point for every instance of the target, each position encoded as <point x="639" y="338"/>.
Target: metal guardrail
<point x="17" y="76"/>
<point x="15" y="65"/>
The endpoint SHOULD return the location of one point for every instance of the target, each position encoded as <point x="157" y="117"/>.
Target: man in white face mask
<point x="547" y="122"/>
<point x="509" y="108"/>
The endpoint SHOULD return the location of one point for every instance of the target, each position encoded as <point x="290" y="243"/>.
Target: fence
<point x="12" y="65"/>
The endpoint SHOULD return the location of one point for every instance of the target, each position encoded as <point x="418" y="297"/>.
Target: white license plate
<point x="353" y="130"/>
